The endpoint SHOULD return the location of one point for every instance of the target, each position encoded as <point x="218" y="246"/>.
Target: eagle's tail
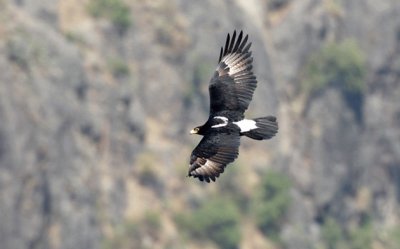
<point x="266" y="127"/>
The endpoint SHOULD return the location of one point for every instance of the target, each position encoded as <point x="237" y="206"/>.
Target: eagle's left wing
<point x="214" y="152"/>
<point x="233" y="84"/>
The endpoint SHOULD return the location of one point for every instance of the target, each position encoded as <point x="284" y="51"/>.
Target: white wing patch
<point x="224" y="119"/>
<point x="233" y="64"/>
<point x="246" y="125"/>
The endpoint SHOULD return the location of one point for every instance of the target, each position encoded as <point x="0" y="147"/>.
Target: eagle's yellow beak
<point x="194" y="131"/>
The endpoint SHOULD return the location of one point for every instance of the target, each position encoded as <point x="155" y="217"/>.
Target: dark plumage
<point x="231" y="89"/>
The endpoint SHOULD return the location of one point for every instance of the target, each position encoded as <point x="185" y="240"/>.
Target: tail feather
<point x="267" y="127"/>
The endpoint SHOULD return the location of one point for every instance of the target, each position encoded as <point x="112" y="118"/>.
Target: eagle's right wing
<point x="233" y="83"/>
<point x="214" y="152"/>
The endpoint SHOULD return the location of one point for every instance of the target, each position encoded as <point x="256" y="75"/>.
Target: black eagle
<point x="231" y="89"/>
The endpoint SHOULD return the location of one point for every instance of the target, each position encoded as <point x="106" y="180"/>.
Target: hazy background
<point x="97" y="98"/>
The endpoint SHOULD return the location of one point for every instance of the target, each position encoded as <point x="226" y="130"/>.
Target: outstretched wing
<point x="233" y="83"/>
<point x="214" y="152"/>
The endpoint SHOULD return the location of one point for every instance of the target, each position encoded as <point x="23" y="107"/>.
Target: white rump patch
<point x="224" y="120"/>
<point x="246" y="125"/>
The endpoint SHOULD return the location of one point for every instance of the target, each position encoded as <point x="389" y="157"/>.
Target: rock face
<point x="94" y="120"/>
<point x="54" y="138"/>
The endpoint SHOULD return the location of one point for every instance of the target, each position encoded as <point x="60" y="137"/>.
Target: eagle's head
<point x="200" y="130"/>
<point x="196" y="130"/>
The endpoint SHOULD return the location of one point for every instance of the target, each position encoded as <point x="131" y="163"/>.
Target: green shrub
<point x="272" y="203"/>
<point x="336" y="64"/>
<point x="132" y="232"/>
<point x="361" y="238"/>
<point x="74" y="37"/>
<point x="217" y="220"/>
<point x="335" y="237"/>
<point x="119" y="68"/>
<point x="393" y="240"/>
<point x="114" y="10"/>
<point x="332" y="233"/>
<point x="230" y="186"/>
<point x="25" y="51"/>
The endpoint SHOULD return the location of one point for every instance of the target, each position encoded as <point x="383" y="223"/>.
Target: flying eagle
<point x="231" y="89"/>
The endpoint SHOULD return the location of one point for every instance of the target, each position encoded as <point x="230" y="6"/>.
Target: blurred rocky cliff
<point x="97" y="98"/>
